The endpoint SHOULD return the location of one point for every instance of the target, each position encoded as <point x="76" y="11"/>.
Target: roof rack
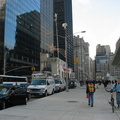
<point x="56" y="76"/>
<point x="36" y="75"/>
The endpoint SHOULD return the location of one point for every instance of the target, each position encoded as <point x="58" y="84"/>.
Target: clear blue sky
<point x="101" y="21"/>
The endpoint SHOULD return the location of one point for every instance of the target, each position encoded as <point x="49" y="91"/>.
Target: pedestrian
<point x="116" y="87"/>
<point x="90" y="89"/>
<point x="105" y="82"/>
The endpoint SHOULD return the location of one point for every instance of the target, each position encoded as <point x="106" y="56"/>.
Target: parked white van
<point x="60" y="84"/>
<point x="42" y="85"/>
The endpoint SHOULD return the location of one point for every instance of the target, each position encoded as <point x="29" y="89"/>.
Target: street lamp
<point x="64" y="25"/>
<point x="57" y="41"/>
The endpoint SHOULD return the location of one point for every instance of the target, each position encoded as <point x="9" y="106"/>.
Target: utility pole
<point x="58" y="60"/>
<point x="64" y="25"/>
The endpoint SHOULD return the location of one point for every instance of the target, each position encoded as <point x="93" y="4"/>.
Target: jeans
<point x="118" y="98"/>
<point x="91" y="98"/>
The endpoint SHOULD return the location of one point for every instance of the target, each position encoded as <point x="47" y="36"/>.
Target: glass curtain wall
<point x="46" y="26"/>
<point x="21" y="37"/>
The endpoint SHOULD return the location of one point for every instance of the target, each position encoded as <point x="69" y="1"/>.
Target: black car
<point x="12" y="95"/>
<point x="71" y="84"/>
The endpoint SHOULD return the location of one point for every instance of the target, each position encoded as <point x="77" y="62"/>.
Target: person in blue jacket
<point x="116" y="87"/>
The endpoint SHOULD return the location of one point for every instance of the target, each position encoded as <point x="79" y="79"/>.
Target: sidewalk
<point x="70" y="105"/>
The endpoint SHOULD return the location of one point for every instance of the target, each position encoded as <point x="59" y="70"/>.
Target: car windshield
<point x="57" y="81"/>
<point x="38" y="82"/>
<point x="3" y="90"/>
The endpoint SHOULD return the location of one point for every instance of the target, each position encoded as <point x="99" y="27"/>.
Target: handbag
<point x="87" y="96"/>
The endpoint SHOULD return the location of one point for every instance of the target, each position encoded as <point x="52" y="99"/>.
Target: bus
<point x="13" y="80"/>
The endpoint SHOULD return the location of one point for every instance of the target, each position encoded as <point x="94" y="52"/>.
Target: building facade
<point x="102" y="61"/>
<point x="46" y="31"/>
<point x="19" y="36"/>
<point x="116" y="58"/>
<point x="46" y="10"/>
<point x="63" y="9"/>
<point x="114" y="70"/>
<point x="81" y="59"/>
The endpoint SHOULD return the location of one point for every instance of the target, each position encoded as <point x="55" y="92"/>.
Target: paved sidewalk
<point x="70" y="105"/>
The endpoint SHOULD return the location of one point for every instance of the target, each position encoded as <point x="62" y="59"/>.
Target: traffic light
<point x="33" y="68"/>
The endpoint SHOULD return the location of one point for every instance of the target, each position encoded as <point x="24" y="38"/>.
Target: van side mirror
<point x="60" y="82"/>
<point x="48" y="83"/>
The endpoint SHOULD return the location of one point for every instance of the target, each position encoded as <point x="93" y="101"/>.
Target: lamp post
<point x="57" y="42"/>
<point x="64" y="25"/>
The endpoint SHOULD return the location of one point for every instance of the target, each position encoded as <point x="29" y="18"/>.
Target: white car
<point x="42" y="86"/>
<point x="60" y="84"/>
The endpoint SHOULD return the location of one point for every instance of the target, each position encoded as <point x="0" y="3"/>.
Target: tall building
<point x="108" y="50"/>
<point x="46" y="11"/>
<point x="100" y="50"/>
<point x="102" y="61"/>
<point x="63" y="9"/>
<point x="116" y="58"/>
<point x="81" y="59"/>
<point x="19" y="36"/>
<point x="114" y="70"/>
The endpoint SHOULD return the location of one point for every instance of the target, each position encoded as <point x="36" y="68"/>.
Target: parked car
<point x="75" y="80"/>
<point x="71" y="84"/>
<point x="60" y="84"/>
<point x="12" y="95"/>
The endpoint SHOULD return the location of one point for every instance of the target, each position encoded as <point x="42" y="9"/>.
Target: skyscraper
<point x="102" y="61"/>
<point x="19" y="36"/>
<point x="46" y="25"/>
<point x="63" y="9"/>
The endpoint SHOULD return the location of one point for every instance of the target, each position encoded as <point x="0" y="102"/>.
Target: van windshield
<point x="38" y="82"/>
<point x="57" y="81"/>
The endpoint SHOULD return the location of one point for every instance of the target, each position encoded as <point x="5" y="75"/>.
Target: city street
<point x="70" y="105"/>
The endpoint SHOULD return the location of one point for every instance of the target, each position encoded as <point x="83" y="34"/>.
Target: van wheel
<point x="64" y="88"/>
<point x="45" y="95"/>
<point x="59" y="89"/>
<point x="53" y="91"/>
<point x="29" y="97"/>
<point x="26" y="101"/>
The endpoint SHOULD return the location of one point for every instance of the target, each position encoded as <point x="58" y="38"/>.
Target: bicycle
<point x="111" y="102"/>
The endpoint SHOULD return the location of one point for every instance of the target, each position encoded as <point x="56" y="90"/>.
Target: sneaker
<point x="91" y="105"/>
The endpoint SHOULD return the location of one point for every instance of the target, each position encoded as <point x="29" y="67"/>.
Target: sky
<point x="101" y="21"/>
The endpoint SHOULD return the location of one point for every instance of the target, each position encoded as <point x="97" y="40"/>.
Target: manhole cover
<point x="72" y="101"/>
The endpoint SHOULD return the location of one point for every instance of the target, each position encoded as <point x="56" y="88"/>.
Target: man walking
<point x="90" y="89"/>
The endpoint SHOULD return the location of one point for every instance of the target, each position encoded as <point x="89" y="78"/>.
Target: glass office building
<point x="46" y="26"/>
<point x="64" y="10"/>
<point x="19" y="36"/>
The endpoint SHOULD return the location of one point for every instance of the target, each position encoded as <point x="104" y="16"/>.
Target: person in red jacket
<point x="90" y="89"/>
